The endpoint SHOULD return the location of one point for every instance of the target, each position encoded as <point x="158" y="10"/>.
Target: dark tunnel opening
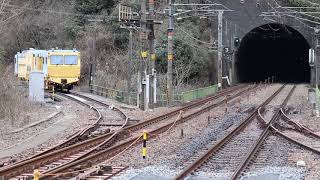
<point x="273" y="50"/>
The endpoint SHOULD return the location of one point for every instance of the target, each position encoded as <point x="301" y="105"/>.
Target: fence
<point x="162" y="99"/>
<point x="108" y="93"/>
<point x="178" y="98"/>
<point x="198" y="93"/>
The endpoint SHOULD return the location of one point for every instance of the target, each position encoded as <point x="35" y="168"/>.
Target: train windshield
<point x="71" y="60"/>
<point x="56" y="60"/>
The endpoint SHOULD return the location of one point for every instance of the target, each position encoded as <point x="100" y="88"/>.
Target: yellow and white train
<point x="61" y="68"/>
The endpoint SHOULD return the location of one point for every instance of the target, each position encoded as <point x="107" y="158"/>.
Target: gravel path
<point x="20" y="145"/>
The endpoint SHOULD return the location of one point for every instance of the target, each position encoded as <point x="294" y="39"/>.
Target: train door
<point x="45" y="65"/>
<point x="33" y="63"/>
<point x="40" y="63"/>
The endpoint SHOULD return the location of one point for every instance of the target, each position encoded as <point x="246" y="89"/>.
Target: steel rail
<point x="21" y="167"/>
<point x="202" y="159"/>
<point x="295" y="141"/>
<point x="77" y="135"/>
<point x="264" y="135"/>
<point x="71" y="139"/>
<point x="110" y="152"/>
<point x="276" y="130"/>
<point x="298" y="126"/>
<point x="74" y="138"/>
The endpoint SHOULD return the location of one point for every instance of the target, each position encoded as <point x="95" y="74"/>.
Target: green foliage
<point x="185" y="52"/>
<point x="121" y="39"/>
<point x="71" y="31"/>
<point x="90" y="7"/>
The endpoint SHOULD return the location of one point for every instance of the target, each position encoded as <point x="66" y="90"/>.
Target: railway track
<point x="85" y="132"/>
<point x="82" y="134"/>
<point x="266" y="132"/>
<point x="296" y="126"/>
<point x="272" y="127"/>
<point x="101" y="122"/>
<point x="291" y="132"/>
<point x="114" y="150"/>
<point x="97" y="143"/>
<point x="235" y="136"/>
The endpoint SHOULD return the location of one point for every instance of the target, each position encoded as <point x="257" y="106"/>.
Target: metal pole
<point x="220" y="48"/>
<point x="93" y="62"/>
<point x="143" y="51"/>
<point x="91" y="75"/>
<point x="152" y="55"/>
<point x="129" y="67"/>
<point x="316" y="71"/>
<point x="170" y="52"/>
<point x="147" y="91"/>
<point x="155" y="88"/>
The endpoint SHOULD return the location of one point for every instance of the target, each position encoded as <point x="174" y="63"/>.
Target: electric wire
<point x="191" y="36"/>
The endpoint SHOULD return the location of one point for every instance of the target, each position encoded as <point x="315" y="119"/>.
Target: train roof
<point x="63" y="51"/>
<point x="44" y="53"/>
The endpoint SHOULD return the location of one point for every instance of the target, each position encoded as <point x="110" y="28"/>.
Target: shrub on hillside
<point x="13" y="103"/>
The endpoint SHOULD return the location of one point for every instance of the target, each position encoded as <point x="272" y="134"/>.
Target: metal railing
<point x="198" y="93"/>
<point x="108" y="93"/>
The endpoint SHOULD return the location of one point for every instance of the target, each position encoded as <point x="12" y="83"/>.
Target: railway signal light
<point x="237" y="42"/>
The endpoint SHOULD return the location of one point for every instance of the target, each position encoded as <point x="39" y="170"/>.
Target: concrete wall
<point x="246" y="17"/>
<point x="36" y="87"/>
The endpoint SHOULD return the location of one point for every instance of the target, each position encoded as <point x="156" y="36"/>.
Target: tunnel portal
<point x="273" y="50"/>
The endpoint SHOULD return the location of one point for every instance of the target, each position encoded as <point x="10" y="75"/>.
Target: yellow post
<point x="144" y="148"/>
<point x="36" y="174"/>
<point x="144" y="54"/>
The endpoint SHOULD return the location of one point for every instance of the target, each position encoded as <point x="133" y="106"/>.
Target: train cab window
<point x="56" y="60"/>
<point x="71" y="60"/>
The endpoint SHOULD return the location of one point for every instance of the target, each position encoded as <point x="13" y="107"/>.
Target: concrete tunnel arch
<point x="273" y="50"/>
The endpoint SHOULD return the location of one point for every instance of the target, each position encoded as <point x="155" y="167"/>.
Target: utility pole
<point x="93" y="60"/>
<point x="170" y="52"/>
<point x="152" y="55"/>
<point x="220" y="48"/>
<point x="131" y="21"/>
<point x="129" y="72"/>
<point x="144" y="102"/>
<point x="201" y="10"/>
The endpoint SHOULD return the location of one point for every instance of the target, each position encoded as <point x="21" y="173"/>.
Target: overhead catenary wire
<point x="296" y="12"/>
<point x="192" y="37"/>
<point x="296" y="16"/>
<point x="280" y="19"/>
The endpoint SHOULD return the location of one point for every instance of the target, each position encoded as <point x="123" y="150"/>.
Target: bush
<point x="13" y="103"/>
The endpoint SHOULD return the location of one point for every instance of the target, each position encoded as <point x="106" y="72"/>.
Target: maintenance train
<point x="61" y="68"/>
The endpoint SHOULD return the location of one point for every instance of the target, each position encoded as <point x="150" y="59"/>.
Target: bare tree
<point x="182" y="70"/>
